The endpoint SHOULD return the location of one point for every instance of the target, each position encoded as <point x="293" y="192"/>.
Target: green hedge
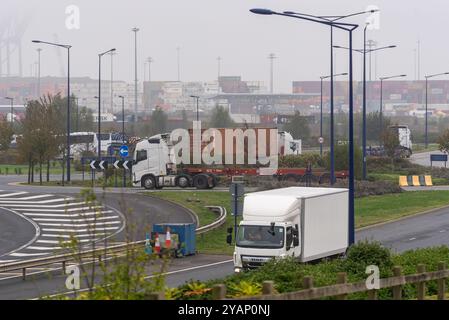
<point x="288" y="275"/>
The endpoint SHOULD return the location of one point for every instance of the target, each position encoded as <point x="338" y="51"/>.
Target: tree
<point x="443" y="141"/>
<point x="390" y="141"/>
<point x="43" y="134"/>
<point x="6" y="133"/>
<point x="373" y="130"/>
<point x="158" y="121"/>
<point x="220" y="118"/>
<point x="341" y="156"/>
<point x="298" y="127"/>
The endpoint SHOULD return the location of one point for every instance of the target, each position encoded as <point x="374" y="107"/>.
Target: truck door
<point x="290" y="249"/>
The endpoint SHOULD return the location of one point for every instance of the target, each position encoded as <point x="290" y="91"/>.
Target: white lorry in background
<point x="404" y="148"/>
<point x="305" y="223"/>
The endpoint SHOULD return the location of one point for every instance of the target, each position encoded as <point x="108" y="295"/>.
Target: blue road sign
<point x="438" y="157"/>
<point x="124" y="151"/>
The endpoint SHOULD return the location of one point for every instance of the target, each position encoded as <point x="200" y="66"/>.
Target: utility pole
<point x="419" y="60"/>
<point x="149" y="60"/>
<point x="112" y="53"/>
<point x="135" y="30"/>
<point x="271" y="57"/>
<point x="178" y="50"/>
<point x="219" y="68"/>
<point x="38" y="72"/>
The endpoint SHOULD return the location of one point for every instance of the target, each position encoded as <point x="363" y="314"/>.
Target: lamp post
<point x="364" y="51"/>
<point x="68" y="98"/>
<point x="11" y="100"/>
<point x="349" y="28"/>
<point x="99" y="99"/>
<point x="427" y="86"/>
<point x="382" y="79"/>
<point x="123" y="134"/>
<point x="150" y="61"/>
<point x="38" y="72"/>
<point x="135" y="30"/>
<point x="332" y="21"/>
<point x="197" y="107"/>
<point x="321" y="107"/>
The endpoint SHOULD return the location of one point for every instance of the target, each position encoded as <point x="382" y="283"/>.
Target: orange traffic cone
<point x="157" y="244"/>
<point x="168" y="239"/>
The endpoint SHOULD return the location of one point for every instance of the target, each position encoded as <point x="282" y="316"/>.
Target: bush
<point x="341" y="153"/>
<point x="288" y="275"/>
<point x="366" y="253"/>
<point x="371" y="188"/>
<point x="301" y="161"/>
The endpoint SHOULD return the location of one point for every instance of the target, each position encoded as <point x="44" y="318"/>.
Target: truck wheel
<point x="149" y="182"/>
<point x="183" y="181"/>
<point x="214" y="181"/>
<point x="325" y="178"/>
<point x="201" y="181"/>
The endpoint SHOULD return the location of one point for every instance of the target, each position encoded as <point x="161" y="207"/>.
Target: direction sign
<point x="123" y="164"/>
<point x="124" y="151"/>
<point x="99" y="165"/>
<point x="237" y="189"/>
<point x="236" y="207"/>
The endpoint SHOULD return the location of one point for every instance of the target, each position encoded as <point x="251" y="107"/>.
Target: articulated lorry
<point x="155" y="164"/>
<point x="304" y="223"/>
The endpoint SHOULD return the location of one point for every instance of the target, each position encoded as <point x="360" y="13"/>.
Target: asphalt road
<point x="423" y="159"/>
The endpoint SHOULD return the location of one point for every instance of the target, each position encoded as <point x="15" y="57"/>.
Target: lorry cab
<point x="258" y="242"/>
<point x="306" y="224"/>
<point x="152" y="158"/>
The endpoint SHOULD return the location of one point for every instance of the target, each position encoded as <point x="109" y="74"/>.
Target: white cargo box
<point x="321" y="214"/>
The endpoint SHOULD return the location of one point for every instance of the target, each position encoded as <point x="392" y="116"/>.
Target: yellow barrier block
<point x="403" y="181"/>
<point x="428" y="180"/>
<point x="415" y="180"/>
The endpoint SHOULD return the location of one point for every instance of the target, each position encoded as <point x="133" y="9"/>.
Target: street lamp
<point x="123" y="134"/>
<point x="427" y="85"/>
<point x="11" y="100"/>
<point x="99" y="99"/>
<point x="123" y="118"/>
<point x="65" y="46"/>
<point x="135" y="30"/>
<point x="381" y="97"/>
<point x="321" y="108"/>
<point x="197" y="106"/>
<point x="364" y="51"/>
<point x="332" y="20"/>
<point x="349" y="28"/>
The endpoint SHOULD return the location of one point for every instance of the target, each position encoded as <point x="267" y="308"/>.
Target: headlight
<point x="237" y="270"/>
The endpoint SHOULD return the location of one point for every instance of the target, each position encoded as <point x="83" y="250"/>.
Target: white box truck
<point x="305" y="223"/>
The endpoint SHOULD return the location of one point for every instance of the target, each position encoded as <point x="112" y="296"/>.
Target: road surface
<point x="423" y="159"/>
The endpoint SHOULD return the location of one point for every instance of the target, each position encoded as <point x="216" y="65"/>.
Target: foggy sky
<point x="206" y="29"/>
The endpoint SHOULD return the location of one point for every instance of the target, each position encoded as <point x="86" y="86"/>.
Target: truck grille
<point x="250" y="262"/>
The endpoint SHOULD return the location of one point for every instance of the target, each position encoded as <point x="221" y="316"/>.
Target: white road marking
<point x="43" y="248"/>
<point x="411" y="239"/>
<point x="40" y="196"/>
<point x="83" y="225"/>
<point x="76" y="220"/>
<point x="17" y="254"/>
<point x="35" y="203"/>
<point x="65" y="236"/>
<point x="441" y="231"/>
<point x="68" y="215"/>
<point x="12" y="194"/>
<point x="78" y="231"/>
<point x="31" y="208"/>
<point x="64" y="242"/>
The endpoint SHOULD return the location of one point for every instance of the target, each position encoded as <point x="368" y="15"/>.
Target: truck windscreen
<point x="260" y="237"/>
